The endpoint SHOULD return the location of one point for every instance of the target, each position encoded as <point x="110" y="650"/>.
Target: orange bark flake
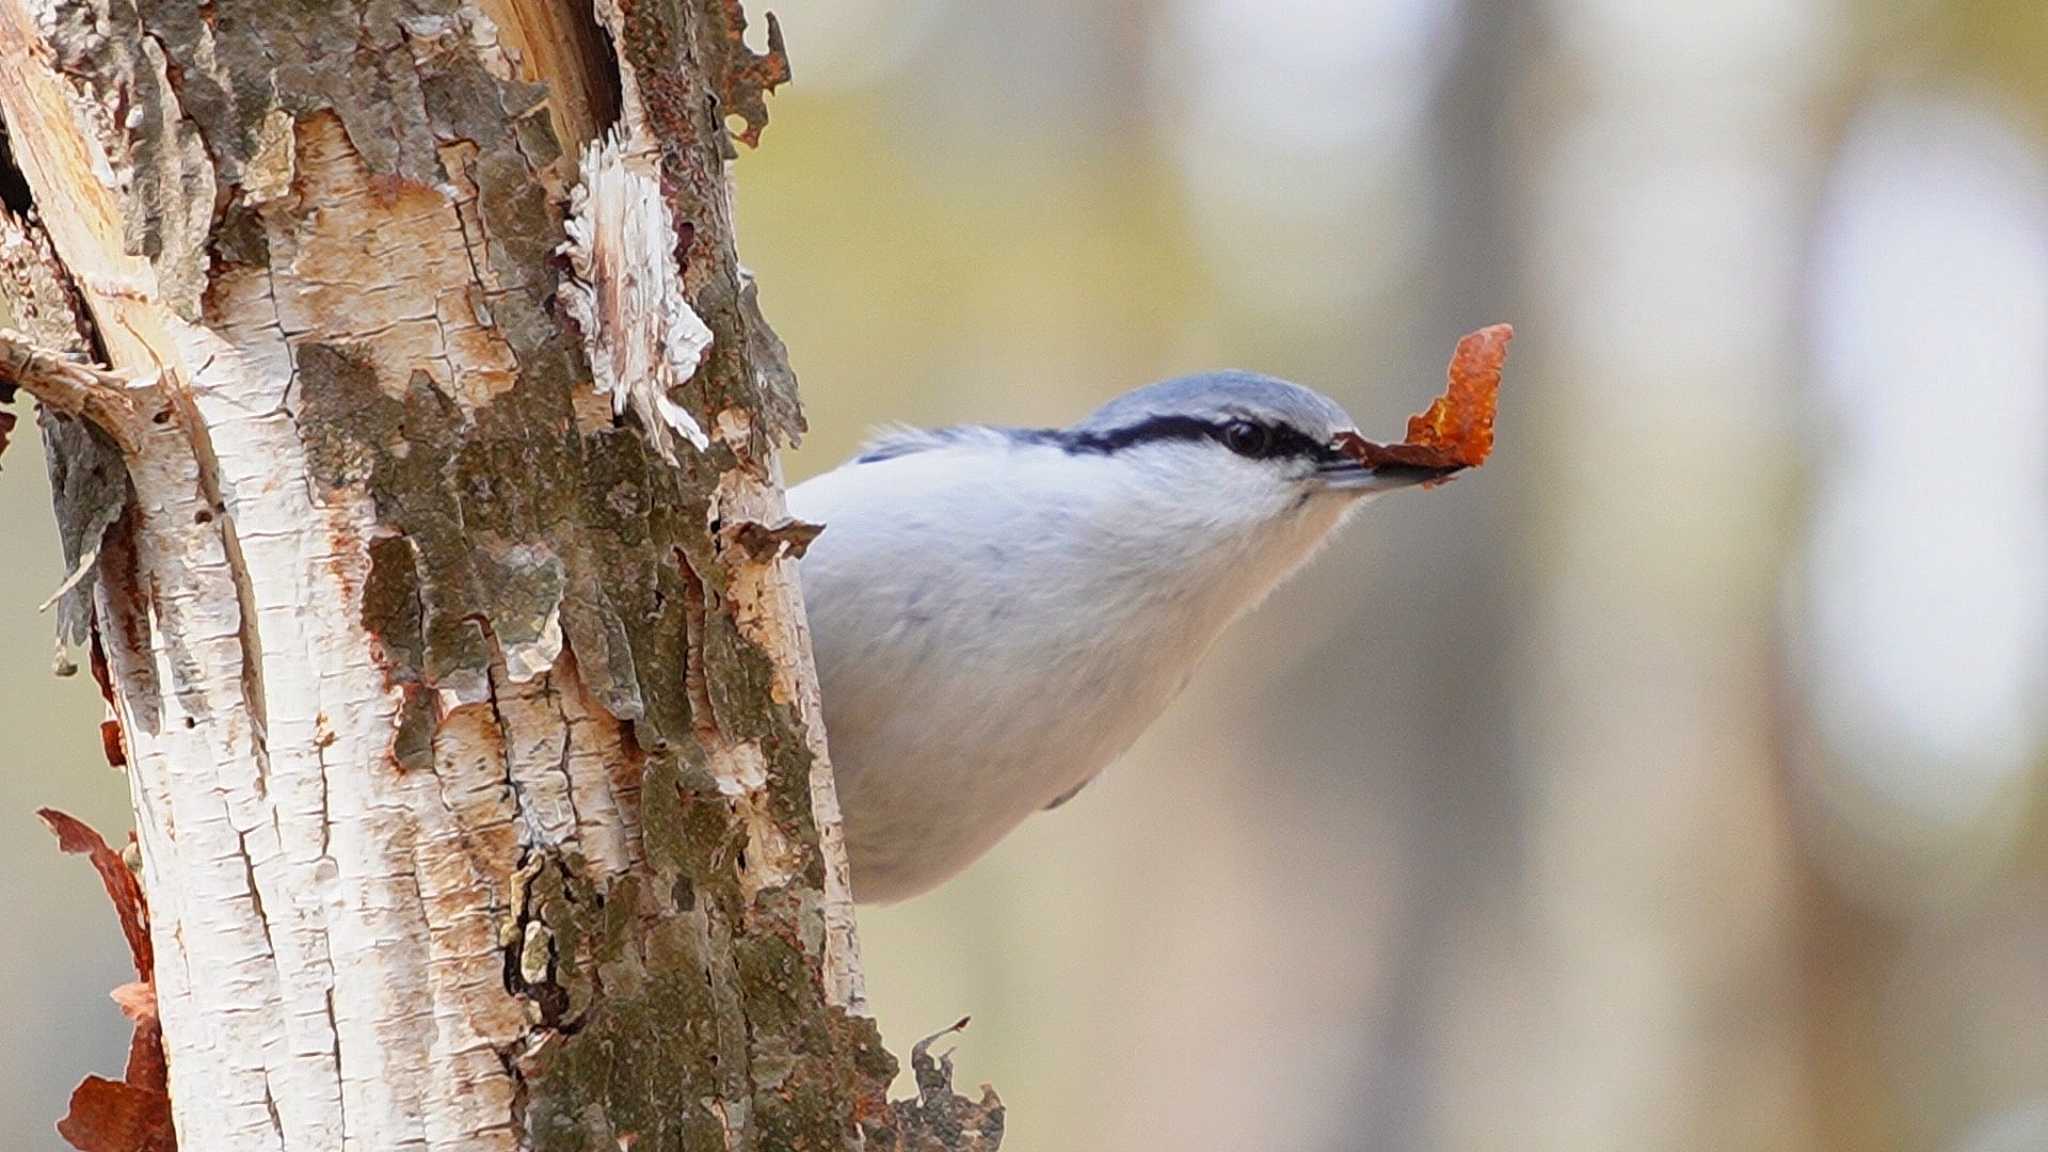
<point x="1456" y="431"/>
<point x="132" y="1114"/>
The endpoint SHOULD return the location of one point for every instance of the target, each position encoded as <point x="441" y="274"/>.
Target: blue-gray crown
<point x="1234" y="408"/>
<point x="1217" y="397"/>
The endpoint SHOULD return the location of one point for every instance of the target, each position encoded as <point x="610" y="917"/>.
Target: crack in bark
<point x="248" y="633"/>
<point x="554" y="698"/>
<point x="270" y="1106"/>
<point x="340" y="1075"/>
<point x="703" y="722"/>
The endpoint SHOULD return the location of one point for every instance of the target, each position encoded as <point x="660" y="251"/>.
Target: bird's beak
<point x="1345" y="470"/>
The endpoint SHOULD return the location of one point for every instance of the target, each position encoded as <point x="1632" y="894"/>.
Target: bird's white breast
<point x="994" y="623"/>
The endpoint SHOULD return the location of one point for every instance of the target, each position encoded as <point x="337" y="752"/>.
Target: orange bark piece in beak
<point x="1456" y="430"/>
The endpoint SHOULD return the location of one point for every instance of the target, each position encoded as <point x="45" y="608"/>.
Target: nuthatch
<point x="998" y="613"/>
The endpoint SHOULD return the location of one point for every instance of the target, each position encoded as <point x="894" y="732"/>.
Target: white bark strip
<point x="626" y="292"/>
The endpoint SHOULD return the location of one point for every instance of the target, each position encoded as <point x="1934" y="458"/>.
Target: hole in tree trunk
<point x="607" y="110"/>
<point x="14" y="191"/>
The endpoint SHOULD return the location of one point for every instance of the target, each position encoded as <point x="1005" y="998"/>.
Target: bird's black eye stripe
<point x="1253" y="439"/>
<point x="1260" y="441"/>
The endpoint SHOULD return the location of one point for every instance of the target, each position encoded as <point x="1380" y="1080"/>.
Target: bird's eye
<point x="1247" y="438"/>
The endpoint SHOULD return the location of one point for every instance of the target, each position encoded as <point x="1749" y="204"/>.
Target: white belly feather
<point x="987" y="641"/>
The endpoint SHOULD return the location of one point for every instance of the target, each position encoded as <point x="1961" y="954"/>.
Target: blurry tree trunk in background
<point x="1669" y="198"/>
<point x="473" y="738"/>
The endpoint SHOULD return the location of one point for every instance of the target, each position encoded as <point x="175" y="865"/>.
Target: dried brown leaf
<point x="113" y="1116"/>
<point x="147" y="1068"/>
<point x="132" y="1114"/>
<point x="75" y="836"/>
<point x="111" y="745"/>
<point x="1456" y="431"/>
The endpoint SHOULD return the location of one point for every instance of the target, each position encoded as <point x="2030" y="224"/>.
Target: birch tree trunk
<point x="447" y="608"/>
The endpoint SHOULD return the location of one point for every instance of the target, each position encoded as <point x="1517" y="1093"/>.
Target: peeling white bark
<point x="332" y="909"/>
<point x="264" y="864"/>
<point x="242" y="661"/>
<point x="627" y="295"/>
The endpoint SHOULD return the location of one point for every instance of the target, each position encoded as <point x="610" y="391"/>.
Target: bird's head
<point x="1277" y="448"/>
<point x="1205" y="489"/>
<point x="1239" y="464"/>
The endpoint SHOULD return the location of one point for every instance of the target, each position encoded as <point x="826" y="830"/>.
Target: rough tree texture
<point x="436" y="550"/>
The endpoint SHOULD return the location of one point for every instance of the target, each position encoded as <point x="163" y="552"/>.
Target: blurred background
<point x="1676" y="782"/>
